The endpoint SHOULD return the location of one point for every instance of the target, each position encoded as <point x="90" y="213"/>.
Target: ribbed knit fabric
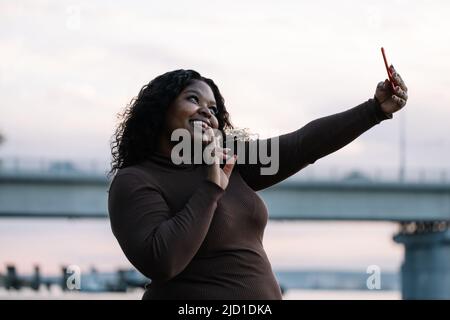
<point x="195" y="240"/>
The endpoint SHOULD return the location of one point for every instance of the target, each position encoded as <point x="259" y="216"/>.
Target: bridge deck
<point x="77" y="195"/>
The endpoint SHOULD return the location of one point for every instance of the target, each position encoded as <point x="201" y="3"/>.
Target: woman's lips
<point x="205" y="129"/>
<point x="200" y="124"/>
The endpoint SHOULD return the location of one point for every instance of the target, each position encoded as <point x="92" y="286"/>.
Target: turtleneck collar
<point x="166" y="161"/>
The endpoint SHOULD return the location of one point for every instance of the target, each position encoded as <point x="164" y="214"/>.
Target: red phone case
<point x="391" y="79"/>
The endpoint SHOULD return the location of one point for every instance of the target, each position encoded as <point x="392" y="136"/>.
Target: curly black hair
<point x="136" y="136"/>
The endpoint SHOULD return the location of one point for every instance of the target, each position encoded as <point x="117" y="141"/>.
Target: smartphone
<point x="391" y="79"/>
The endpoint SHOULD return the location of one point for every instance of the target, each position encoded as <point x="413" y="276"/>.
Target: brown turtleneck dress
<point x="195" y="240"/>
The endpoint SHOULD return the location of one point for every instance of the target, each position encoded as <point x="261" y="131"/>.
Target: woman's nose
<point x="204" y="111"/>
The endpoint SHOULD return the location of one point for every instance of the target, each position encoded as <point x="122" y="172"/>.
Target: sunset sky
<point x="67" y="68"/>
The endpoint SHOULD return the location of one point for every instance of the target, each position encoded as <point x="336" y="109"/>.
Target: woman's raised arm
<point x="302" y="147"/>
<point x="321" y="137"/>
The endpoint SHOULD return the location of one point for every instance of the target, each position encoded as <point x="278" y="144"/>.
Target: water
<point x="293" y="294"/>
<point x="314" y="246"/>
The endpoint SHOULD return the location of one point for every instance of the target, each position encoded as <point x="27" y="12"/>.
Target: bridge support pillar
<point x="425" y="272"/>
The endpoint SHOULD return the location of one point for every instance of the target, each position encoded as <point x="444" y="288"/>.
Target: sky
<point x="68" y="67"/>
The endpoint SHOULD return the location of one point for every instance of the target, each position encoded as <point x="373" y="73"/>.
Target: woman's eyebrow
<point x="198" y="93"/>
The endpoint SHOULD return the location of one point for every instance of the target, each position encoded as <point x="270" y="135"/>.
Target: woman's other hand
<point x="215" y="173"/>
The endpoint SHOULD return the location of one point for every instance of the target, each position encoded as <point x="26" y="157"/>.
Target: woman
<point x="196" y="229"/>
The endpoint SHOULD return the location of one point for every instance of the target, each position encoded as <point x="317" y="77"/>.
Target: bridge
<point x="421" y="208"/>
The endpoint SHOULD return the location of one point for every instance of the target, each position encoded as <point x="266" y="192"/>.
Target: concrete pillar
<point x="425" y="272"/>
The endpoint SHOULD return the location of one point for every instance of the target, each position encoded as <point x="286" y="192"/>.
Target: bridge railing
<point x="53" y="166"/>
<point x="315" y="172"/>
<point x="376" y="174"/>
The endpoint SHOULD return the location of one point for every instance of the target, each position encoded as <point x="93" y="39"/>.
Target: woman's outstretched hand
<point x="392" y="100"/>
<point x="216" y="174"/>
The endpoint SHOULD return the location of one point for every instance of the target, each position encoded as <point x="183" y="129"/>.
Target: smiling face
<point x="195" y="106"/>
